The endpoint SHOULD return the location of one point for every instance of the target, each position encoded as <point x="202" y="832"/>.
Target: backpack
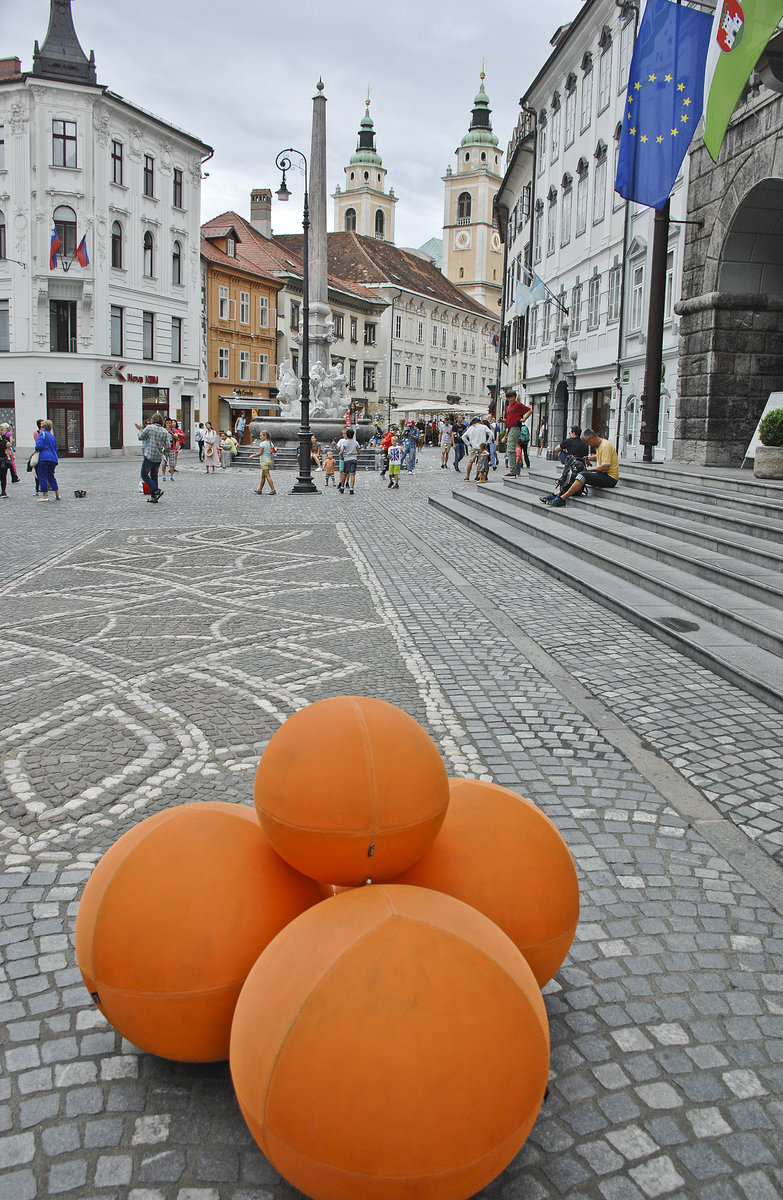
<point x="524" y="433"/>
<point x="573" y="467"/>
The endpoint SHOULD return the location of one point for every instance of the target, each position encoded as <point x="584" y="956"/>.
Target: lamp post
<point x="304" y="483"/>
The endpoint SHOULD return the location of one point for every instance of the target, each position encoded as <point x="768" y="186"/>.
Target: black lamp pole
<point x="304" y="483"/>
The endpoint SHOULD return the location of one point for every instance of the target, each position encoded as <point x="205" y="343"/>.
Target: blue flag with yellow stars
<point x="663" y="102"/>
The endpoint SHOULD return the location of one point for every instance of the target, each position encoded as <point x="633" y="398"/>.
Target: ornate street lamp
<point x="304" y="482"/>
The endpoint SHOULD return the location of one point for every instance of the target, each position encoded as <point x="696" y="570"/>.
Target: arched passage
<point x="751" y="259"/>
<point x="731" y="335"/>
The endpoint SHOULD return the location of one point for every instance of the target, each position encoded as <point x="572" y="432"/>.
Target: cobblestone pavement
<point x="154" y="650"/>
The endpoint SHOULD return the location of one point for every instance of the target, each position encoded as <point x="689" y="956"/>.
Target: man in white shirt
<point x="475" y="436"/>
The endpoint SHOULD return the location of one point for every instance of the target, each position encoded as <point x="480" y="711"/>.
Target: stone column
<point x="321" y="335"/>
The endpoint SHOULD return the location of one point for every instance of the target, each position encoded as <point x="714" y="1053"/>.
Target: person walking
<point x="200" y="441"/>
<point x="156" y="440"/>
<point x="7" y="431"/>
<point x="348" y="449"/>
<point x="265" y="454"/>
<point x="211" y="448"/>
<point x="474" y="437"/>
<point x="6" y="461"/>
<point x="446" y="442"/>
<point x="239" y="428"/>
<point x="46" y="445"/>
<point x="411" y="445"/>
<point x="395" y="461"/>
<point x="32" y="462"/>
<point x="541" y="439"/>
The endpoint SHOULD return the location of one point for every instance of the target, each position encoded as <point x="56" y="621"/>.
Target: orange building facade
<point x="240" y="329"/>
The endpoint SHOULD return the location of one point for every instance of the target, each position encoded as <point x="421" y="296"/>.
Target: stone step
<point x="757" y="517"/>
<point x="285" y="459"/>
<point x="727" y="479"/>
<point x="751" y="566"/>
<point x="738" y="636"/>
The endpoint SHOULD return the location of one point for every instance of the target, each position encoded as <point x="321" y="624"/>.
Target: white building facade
<point x="97" y="341"/>
<point x="580" y="349"/>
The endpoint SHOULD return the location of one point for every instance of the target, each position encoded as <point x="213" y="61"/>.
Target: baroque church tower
<point x="472" y="254"/>
<point x="364" y="207"/>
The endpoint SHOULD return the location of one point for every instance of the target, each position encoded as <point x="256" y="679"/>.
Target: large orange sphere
<point x="351" y="789"/>
<point x="502" y="854"/>
<point x="390" y="1043"/>
<point x="173" y="918"/>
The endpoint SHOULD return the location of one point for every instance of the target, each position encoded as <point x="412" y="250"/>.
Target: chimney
<point x="261" y="211"/>
<point x="10" y="67"/>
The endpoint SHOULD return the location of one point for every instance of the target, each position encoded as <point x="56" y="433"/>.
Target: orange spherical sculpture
<point x="351" y="789"/>
<point x="172" y="919"/>
<point x="502" y="854"/>
<point x="391" y="1042"/>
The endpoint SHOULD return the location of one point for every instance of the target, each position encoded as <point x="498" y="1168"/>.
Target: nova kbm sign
<point x="115" y="371"/>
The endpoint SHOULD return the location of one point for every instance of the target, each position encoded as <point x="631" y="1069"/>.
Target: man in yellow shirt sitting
<point x="605" y="473"/>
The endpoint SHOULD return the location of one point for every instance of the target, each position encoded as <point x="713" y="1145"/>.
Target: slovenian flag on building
<point x="495" y="341"/>
<point x="53" y="248"/>
<point x="81" y="253"/>
<point x="739" y="37"/>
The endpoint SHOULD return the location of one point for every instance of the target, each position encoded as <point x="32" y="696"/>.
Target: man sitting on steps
<point x="605" y="474"/>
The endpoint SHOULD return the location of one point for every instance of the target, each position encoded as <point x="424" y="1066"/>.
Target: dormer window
<point x="231" y="247"/>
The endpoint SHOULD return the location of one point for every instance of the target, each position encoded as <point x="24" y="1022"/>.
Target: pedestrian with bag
<point x="46" y="445"/>
<point x="156" y="440"/>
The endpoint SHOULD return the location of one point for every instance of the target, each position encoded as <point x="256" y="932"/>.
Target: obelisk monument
<point x="321" y="335"/>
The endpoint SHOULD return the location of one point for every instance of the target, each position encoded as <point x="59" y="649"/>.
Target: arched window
<point x="149" y="259"/>
<point x="65" y="224"/>
<point x="380" y="224"/>
<point x="464" y="206"/>
<point x="176" y="263"/>
<point x="350" y="220"/>
<point x="116" y="244"/>
<point x="2" y="234"/>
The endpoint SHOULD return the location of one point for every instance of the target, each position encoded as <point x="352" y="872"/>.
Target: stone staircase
<point x="694" y="557"/>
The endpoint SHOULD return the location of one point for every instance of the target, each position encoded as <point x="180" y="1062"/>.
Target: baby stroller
<point x="573" y="466"/>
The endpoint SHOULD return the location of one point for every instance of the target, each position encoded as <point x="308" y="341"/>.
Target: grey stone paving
<point x="667" y="1017"/>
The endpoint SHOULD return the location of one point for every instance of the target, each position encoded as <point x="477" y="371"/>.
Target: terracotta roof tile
<point x="366" y="260"/>
<point x="273" y="257"/>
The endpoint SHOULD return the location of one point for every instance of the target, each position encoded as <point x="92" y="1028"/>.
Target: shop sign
<point x="115" y="371"/>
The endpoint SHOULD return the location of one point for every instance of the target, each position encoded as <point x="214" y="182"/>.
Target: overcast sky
<point x="241" y="74"/>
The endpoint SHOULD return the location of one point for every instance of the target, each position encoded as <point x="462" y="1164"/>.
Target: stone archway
<point x="731" y="336"/>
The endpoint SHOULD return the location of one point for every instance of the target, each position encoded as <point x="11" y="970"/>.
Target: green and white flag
<point x="738" y="39"/>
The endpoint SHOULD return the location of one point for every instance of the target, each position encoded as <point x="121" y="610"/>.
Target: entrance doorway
<point x="65" y="409"/>
<point x="187" y="420"/>
<point x="559" y="428"/>
<point x="154" y="400"/>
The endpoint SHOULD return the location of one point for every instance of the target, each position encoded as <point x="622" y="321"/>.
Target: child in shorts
<point x="482" y="463"/>
<point x="329" y="469"/>
<point x="395" y="459"/>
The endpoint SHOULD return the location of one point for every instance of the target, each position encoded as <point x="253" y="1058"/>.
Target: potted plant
<point x="768" y="463"/>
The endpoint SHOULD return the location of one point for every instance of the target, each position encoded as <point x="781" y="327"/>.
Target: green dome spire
<point x="480" y="131"/>
<point x="366" y="154"/>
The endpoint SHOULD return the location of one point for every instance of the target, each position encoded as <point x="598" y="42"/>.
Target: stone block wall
<point x="731" y="345"/>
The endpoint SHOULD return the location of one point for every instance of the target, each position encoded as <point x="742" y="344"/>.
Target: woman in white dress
<point x="211" y="448"/>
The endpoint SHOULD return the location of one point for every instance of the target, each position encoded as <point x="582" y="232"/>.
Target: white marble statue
<point x="287" y="389"/>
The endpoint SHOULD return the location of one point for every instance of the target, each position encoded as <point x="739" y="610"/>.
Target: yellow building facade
<point x="240" y="328"/>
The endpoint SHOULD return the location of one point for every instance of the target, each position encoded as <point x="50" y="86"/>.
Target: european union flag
<point x="663" y="102"/>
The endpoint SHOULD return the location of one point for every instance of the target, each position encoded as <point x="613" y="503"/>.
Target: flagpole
<point x="651" y="397"/>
